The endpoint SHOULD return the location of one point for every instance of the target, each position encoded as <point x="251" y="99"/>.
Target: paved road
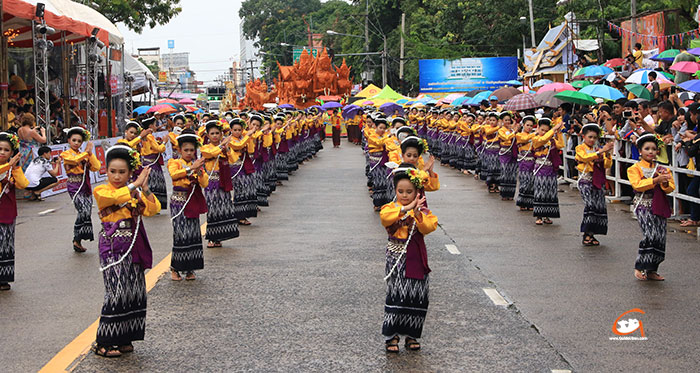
<point x="302" y="289"/>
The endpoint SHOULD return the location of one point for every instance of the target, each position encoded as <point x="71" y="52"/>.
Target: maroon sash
<point x="8" y="203"/>
<point x="659" y="203"/>
<point x="598" y="175"/>
<point x="197" y="204"/>
<point x="225" y="175"/>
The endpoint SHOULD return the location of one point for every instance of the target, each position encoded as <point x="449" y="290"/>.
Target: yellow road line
<point x="69" y="357"/>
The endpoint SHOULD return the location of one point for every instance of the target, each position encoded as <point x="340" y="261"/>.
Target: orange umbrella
<point x="162" y="109"/>
<point x="167" y="101"/>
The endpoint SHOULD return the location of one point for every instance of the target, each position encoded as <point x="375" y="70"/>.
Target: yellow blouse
<point x="150" y="146"/>
<point x="391" y="213"/>
<point x="16" y="175"/>
<point x="72" y="161"/>
<point x="541" y="143"/>
<point x="505" y="136"/>
<point x="254" y="138"/>
<point x="210" y="152"/>
<point x="237" y="146"/>
<point x="107" y="195"/>
<point x="132" y="144"/>
<point x="524" y="141"/>
<point x="586" y="156"/>
<point x="176" y="168"/>
<point x="641" y="183"/>
<point x="173" y="141"/>
<point x="375" y="143"/>
<point x="489" y="132"/>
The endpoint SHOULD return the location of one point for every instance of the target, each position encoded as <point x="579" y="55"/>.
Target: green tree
<point x="152" y="66"/>
<point x="136" y="14"/>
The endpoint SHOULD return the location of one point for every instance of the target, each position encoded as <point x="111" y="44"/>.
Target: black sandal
<point x="390" y="344"/>
<point x="109" y="352"/>
<point x="412" y="344"/>
<point x="587" y="240"/>
<point x="594" y="242"/>
<point x="78" y="249"/>
<point x="5" y="287"/>
<point x="126" y="348"/>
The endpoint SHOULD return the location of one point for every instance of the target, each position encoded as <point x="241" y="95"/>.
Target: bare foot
<point x="639" y="275"/>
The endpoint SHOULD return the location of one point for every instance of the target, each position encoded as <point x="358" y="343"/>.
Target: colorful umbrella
<point x="687" y="67"/>
<point x="595" y="70"/>
<point x="460" y="101"/>
<point x="691" y="85"/>
<point x="389" y="108"/>
<point x="178" y="107"/>
<point x="514" y="83"/>
<point x="483" y="95"/>
<point x="694" y="51"/>
<point x="580" y="84"/>
<point x="367" y="103"/>
<point x="541" y="83"/>
<point x="163" y="109"/>
<point x="142" y="109"/>
<point x="603" y="91"/>
<point x="615" y="62"/>
<point x="640" y="76"/>
<point x="331" y="105"/>
<point x="547" y="99"/>
<point x="186" y="101"/>
<point x="474" y="92"/>
<point x="663" y="82"/>
<point x="351" y="111"/>
<point x="192" y="109"/>
<point x="639" y="91"/>
<point x="557" y="87"/>
<point x="166" y="101"/>
<point x="575" y="97"/>
<point x="523" y="101"/>
<point x="286" y="106"/>
<point x="666" y="56"/>
<point x="506" y="93"/>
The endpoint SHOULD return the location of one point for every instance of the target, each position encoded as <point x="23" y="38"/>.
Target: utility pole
<point x="532" y="23"/>
<point x="403" y="30"/>
<point x="367" y="40"/>
<point x="384" y="63"/>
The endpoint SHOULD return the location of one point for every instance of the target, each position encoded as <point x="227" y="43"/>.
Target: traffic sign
<point x="171" y="44"/>
<point x="162" y="76"/>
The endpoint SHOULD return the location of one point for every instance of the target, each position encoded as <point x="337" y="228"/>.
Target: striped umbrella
<point x="523" y="101"/>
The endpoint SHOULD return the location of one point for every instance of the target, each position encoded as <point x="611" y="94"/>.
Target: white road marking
<point x="452" y="249"/>
<point x="561" y="371"/>
<point x="495" y="296"/>
<point x="46" y="212"/>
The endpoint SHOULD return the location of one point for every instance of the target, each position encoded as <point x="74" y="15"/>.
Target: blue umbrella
<point x="691" y="85"/>
<point x="597" y="70"/>
<point x="602" y="91"/>
<point x="460" y="100"/>
<point x="390" y="107"/>
<point x="331" y="105"/>
<point x="141" y="109"/>
<point x="474" y="101"/>
<point x="514" y="83"/>
<point x="541" y="82"/>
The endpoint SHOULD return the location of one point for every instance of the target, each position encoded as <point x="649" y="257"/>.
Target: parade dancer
<point x="526" y="164"/>
<point x="406" y="220"/>
<point x="378" y="156"/>
<point x="651" y="183"/>
<point x="11" y="178"/>
<point x="77" y="165"/>
<point x="490" y="163"/>
<point x="152" y="152"/>
<point x="222" y="224"/>
<point x="546" y="146"/>
<point x="125" y="252"/>
<point x="186" y="204"/>
<point x="245" y="198"/>
<point x="507" y="156"/>
<point x="593" y="160"/>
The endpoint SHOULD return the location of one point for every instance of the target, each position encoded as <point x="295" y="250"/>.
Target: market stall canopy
<point x="75" y="19"/>
<point x="369" y="91"/>
<point x="387" y="93"/>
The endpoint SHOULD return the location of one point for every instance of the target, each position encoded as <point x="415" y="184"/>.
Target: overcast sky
<point x="208" y="29"/>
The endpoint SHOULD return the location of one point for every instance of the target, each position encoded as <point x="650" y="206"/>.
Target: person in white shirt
<point x="41" y="174"/>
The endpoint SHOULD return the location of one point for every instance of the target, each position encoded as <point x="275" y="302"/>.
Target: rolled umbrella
<point x="614" y="62"/>
<point x="558" y="87"/>
<point x="602" y="91"/>
<point x="687" y="67"/>
<point x="639" y="91"/>
<point x="691" y="85"/>
<point x="541" y="82"/>
<point x="505" y="93"/>
<point x="575" y="97"/>
<point x="580" y="84"/>
<point x="142" y="109"/>
<point x="523" y="101"/>
<point x="547" y="99"/>
<point x="331" y="105"/>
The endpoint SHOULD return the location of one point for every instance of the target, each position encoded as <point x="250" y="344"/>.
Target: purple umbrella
<point x="351" y="111"/>
<point x="389" y="108"/>
<point x="286" y="106"/>
<point x="331" y="106"/>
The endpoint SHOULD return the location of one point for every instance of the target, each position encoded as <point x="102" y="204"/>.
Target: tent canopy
<point x="75" y="19"/>
<point x="142" y="75"/>
<point x="387" y="93"/>
<point x="369" y="91"/>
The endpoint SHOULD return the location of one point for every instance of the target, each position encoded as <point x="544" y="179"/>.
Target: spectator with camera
<point x="41" y="174"/>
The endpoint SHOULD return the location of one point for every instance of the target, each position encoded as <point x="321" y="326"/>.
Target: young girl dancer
<point x="221" y="216"/>
<point x="186" y="204"/>
<point x="592" y="161"/>
<point x="507" y="155"/>
<point x="490" y="164"/>
<point x="378" y="157"/>
<point x="406" y="221"/>
<point x="11" y="177"/>
<point x="546" y="145"/>
<point x="77" y="165"/>
<point x="152" y="153"/>
<point x="124" y="251"/>
<point x="526" y="164"/>
<point x="242" y="171"/>
<point x="651" y="183"/>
